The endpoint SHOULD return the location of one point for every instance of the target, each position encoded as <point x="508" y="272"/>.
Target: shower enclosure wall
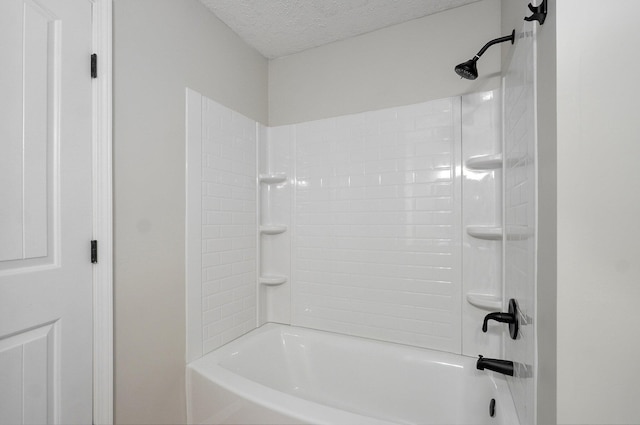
<point x="376" y="234"/>
<point x="385" y="224"/>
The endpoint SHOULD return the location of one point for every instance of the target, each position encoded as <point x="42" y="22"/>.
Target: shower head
<point x="468" y="69"/>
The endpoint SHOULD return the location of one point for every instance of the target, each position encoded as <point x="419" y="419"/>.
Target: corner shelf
<point x="272" y="280"/>
<point x="485" y="162"/>
<point x="490" y="233"/>
<point x="272" y="178"/>
<point x="485" y="301"/>
<point x="272" y="229"/>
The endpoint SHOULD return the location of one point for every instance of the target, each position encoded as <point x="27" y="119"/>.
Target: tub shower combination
<point x="350" y="270"/>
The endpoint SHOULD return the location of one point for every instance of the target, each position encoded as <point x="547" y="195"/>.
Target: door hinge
<point x="94" y="252"/>
<point x="94" y="66"/>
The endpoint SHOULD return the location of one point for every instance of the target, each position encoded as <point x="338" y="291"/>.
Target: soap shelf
<point x="272" y="178"/>
<point x="485" y="301"/>
<point x="272" y="229"/>
<point x="490" y="233"/>
<point x="272" y="280"/>
<point x="485" y="162"/>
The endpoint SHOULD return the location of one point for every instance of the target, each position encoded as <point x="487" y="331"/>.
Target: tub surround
<point x="221" y="225"/>
<point x="376" y="224"/>
<point x="359" y="226"/>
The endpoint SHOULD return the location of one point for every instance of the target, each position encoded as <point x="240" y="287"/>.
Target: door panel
<point x="11" y="131"/>
<point x="41" y="52"/>
<point x="27" y="361"/>
<point x="29" y="130"/>
<point x="45" y="212"/>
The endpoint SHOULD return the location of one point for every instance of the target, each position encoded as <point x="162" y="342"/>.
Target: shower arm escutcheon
<point x="511" y="318"/>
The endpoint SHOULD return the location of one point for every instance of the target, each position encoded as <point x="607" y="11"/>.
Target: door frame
<point x="103" y="214"/>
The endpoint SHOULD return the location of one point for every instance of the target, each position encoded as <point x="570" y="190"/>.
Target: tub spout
<point x="501" y="366"/>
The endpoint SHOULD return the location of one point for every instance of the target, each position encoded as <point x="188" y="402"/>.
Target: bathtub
<point x="279" y="374"/>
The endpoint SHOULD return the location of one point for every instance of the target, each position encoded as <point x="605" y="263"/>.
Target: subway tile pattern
<point x="376" y="243"/>
<point x="228" y="225"/>
<point x="519" y="216"/>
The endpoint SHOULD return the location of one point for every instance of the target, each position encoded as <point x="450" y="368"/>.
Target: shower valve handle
<point x="498" y="317"/>
<point x="511" y="318"/>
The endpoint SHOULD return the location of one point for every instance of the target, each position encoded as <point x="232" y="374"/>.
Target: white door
<point x="45" y="212"/>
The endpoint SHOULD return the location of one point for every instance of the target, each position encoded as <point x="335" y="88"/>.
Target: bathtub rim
<point x="208" y="366"/>
<point x="308" y="411"/>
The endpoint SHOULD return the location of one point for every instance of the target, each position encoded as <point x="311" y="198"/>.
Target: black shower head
<point x="468" y="69"/>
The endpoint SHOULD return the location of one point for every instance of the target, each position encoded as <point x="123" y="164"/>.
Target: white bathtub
<point x="286" y="375"/>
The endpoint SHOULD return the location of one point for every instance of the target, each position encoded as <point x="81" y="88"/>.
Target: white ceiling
<point x="281" y="27"/>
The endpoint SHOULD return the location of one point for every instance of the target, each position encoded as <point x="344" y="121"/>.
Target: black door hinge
<point x="94" y="252"/>
<point x="94" y="66"/>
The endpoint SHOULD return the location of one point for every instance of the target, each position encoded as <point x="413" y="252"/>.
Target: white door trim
<point x="103" y="216"/>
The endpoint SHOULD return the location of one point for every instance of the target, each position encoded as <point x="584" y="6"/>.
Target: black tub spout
<point x="501" y="366"/>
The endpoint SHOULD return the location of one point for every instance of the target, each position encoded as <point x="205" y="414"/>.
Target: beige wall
<point x="513" y="13"/>
<point x="160" y="47"/>
<point x="399" y="65"/>
<point x="598" y="211"/>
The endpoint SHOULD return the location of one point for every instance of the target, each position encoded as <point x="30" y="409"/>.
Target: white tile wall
<point x="377" y="225"/>
<point x="519" y="216"/>
<point x="373" y="207"/>
<point x="228" y="225"/>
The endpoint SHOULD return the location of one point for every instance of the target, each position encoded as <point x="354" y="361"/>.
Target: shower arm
<point x="510" y="38"/>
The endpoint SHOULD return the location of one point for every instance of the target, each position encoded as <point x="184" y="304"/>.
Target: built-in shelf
<point x="485" y="301"/>
<point x="272" y="280"/>
<point x="272" y="229"/>
<point x="491" y="233"/>
<point x="485" y="162"/>
<point x="272" y="178"/>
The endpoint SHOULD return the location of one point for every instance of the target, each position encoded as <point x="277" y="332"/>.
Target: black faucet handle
<point x="511" y="318"/>
<point x="498" y="317"/>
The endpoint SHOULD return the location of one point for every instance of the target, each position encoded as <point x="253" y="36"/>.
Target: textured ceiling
<point x="282" y="27"/>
